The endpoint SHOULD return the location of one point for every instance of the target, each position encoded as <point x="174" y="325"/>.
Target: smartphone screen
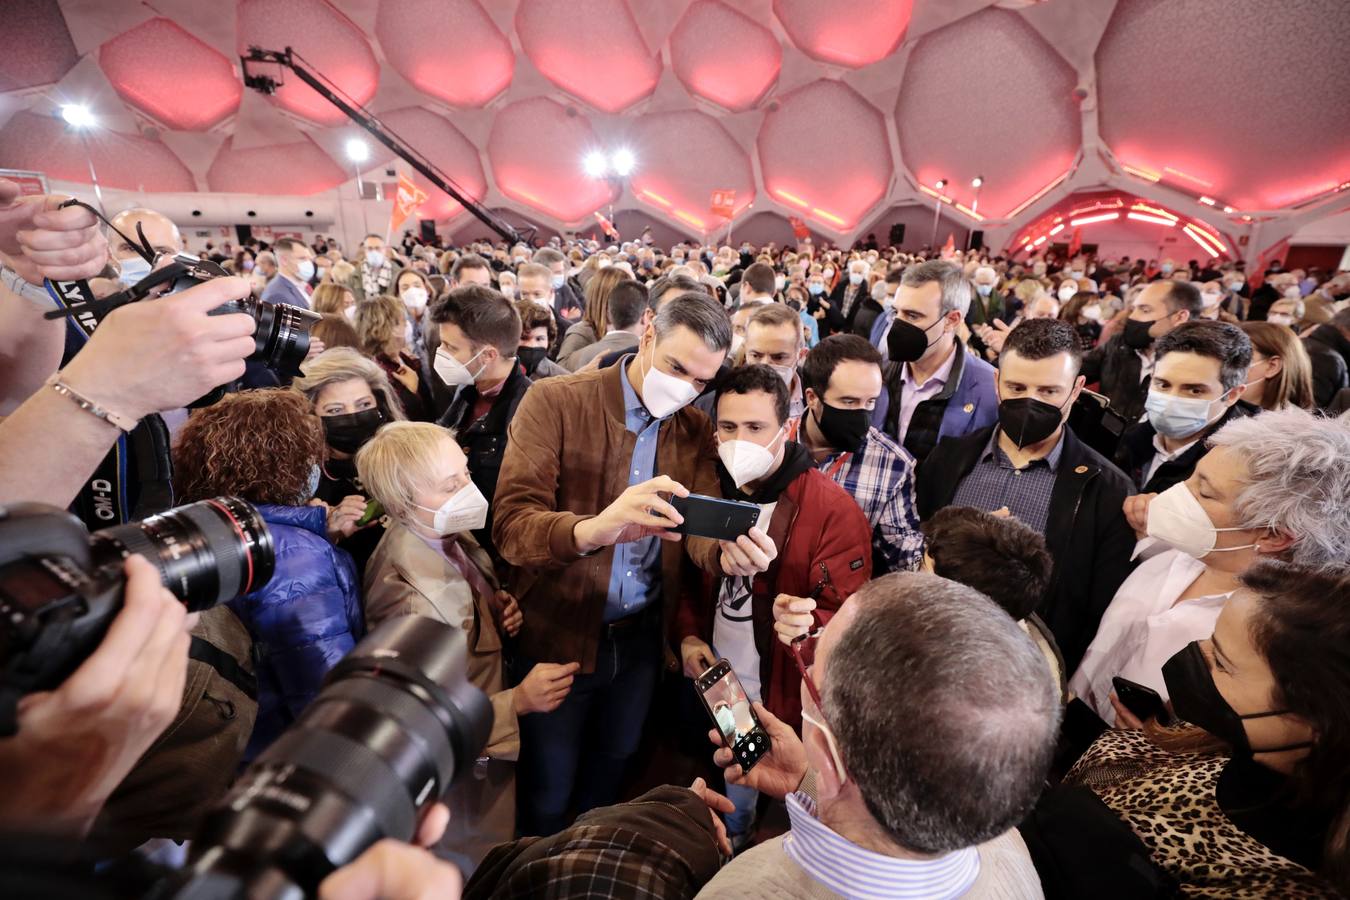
<point x="729" y="706"/>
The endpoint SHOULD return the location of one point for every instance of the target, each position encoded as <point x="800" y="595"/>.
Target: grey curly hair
<point x="1298" y="468"/>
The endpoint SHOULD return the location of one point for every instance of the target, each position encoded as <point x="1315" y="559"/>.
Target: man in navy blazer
<point x="295" y="267"/>
<point x="934" y="388"/>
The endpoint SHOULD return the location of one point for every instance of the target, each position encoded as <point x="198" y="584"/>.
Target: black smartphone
<point x="729" y="706"/>
<point x="1143" y="701"/>
<point x="713" y="517"/>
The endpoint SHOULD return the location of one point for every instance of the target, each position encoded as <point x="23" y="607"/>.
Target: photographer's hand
<point x="145" y="357"/>
<point x="391" y="870"/>
<point x="77" y="743"/>
<point x="39" y="240"/>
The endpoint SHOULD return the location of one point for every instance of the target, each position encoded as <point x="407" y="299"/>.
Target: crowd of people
<point x="1047" y="595"/>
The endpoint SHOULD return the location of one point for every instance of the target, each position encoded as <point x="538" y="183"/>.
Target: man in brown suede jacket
<point x="583" y="514"/>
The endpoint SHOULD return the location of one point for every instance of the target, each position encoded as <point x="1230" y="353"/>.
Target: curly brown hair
<point x="379" y="323"/>
<point x="258" y="445"/>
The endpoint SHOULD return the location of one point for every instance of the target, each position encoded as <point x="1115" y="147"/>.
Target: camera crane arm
<point x="291" y="60"/>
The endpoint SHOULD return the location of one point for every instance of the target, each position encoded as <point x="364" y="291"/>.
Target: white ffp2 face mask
<point x="465" y="510"/>
<point x="746" y="461"/>
<point x="415" y="298"/>
<point x="453" y="372"/>
<point x="1175" y="517"/>
<point x="664" y="394"/>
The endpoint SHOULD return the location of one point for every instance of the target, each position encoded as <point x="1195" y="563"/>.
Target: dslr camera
<point x="61" y="587"/>
<point x="396" y="722"/>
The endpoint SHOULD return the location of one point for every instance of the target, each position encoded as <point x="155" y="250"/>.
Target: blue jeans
<point x="574" y="758"/>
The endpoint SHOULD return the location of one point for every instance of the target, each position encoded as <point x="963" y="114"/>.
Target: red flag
<point x="406" y="200"/>
<point x="799" y="229"/>
<point x="723" y="203"/>
<point x="950" y="245"/>
<point x="1076" y="243"/>
<point x="607" y="227"/>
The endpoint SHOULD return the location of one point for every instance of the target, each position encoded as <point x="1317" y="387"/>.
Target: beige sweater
<point x="768" y="873"/>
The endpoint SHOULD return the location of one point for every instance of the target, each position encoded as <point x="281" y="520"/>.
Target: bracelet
<point x="124" y="423"/>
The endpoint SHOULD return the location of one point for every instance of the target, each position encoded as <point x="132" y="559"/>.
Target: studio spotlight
<point x="595" y="164"/>
<point x="357" y="150"/>
<point x="78" y="116"/>
<point x="623" y="162"/>
<point x="940" y="184"/>
<point x="977" y="181"/>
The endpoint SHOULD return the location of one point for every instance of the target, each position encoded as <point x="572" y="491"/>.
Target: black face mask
<point x="350" y="431"/>
<point x="531" y="357"/>
<point x="1195" y="698"/>
<point x="908" y="342"/>
<point x="1136" y="335"/>
<point x="1026" y="420"/>
<point x="845" y="429"/>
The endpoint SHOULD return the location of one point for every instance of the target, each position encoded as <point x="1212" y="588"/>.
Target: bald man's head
<point x="157" y="227"/>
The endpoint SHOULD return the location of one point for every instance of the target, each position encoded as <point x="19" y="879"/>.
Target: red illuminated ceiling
<point x="1260" y="123"/>
<point x="589" y="48"/>
<point x="299" y="168"/>
<point x="326" y="38"/>
<point x="1017" y="131"/>
<point x="824" y="154"/>
<point x="536" y="149"/>
<point x="448" y="49"/>
<point x="1084" y="212"/>
<point x="191" y="87"/>
<point x="130" y="162"/>
<point x="845" y="34"/>
<point x="38" y="49"/>
<point x="831" y="110"/>
<point x="685" y="157"/>
<point x="724" y="56"/>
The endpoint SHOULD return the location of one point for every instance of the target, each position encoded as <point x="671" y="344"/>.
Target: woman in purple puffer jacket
<point x="266" y="447"/>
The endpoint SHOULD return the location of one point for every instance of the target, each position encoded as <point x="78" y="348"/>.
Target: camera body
<point x="61" y="587"/>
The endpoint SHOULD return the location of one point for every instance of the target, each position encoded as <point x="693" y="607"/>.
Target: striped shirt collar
<point x="854" y="872"/>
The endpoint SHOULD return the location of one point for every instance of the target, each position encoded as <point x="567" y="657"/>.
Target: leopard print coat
<point x="1169" y="801"/>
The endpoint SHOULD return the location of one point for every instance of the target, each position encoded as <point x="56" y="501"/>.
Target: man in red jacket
<point x="826" y="555"/>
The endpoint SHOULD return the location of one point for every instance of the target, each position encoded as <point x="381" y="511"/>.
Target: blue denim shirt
<point x="635" y="577"/>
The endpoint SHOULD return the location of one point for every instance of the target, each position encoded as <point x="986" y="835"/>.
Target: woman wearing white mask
<point x="1288" y="310"/>
<point x="826" y="554"/>
<point x="334" y="299"/>
<point x="428" y="564"/>
<point x="1272" y="486"/>
<point x="414" y="289"/>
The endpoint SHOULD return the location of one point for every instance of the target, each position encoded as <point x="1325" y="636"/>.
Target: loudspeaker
<point x="428" y="228"/>
<point x="976" y="240"/>
<point x="897" y="234"/>
<point x="243" y="233"/>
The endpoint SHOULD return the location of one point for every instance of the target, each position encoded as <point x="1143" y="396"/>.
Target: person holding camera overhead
<point x="267" y="447"/>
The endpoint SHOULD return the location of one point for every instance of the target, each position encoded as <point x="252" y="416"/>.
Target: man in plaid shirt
<point x="842" y="378"/>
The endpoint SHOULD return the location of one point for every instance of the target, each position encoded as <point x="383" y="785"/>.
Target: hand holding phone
<point x="713" y="517"/>
<point x="729" y="705"/>
<point x="1143" y="701"/>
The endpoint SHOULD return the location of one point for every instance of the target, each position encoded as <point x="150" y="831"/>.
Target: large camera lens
<point x="206" y="552"/>
<point x="282" y="337"/>
<point x="395" y="723"/>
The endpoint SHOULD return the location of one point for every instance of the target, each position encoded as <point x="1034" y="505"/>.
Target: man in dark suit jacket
<point x="1197" y="388"/>
<point x="1122" y="364"/>
<point x="1032" y="464"/>
<point x="295" y="268"/>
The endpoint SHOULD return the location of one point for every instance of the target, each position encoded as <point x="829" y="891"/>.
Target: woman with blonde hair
<point x="381" y="325"/>
<point x="594" y="323"/>
<point x="428" y="564"/>
<point x="1281" y="371"/>
<point x="333" y="298"/>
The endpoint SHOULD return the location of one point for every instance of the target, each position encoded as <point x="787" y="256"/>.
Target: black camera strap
<point x="104" y="499"/>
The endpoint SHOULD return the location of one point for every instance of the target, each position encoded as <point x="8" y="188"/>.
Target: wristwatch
<point x="34" y="293"/>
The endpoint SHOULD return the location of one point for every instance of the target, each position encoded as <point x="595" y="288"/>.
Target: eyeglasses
<point x="799" y="647"/>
